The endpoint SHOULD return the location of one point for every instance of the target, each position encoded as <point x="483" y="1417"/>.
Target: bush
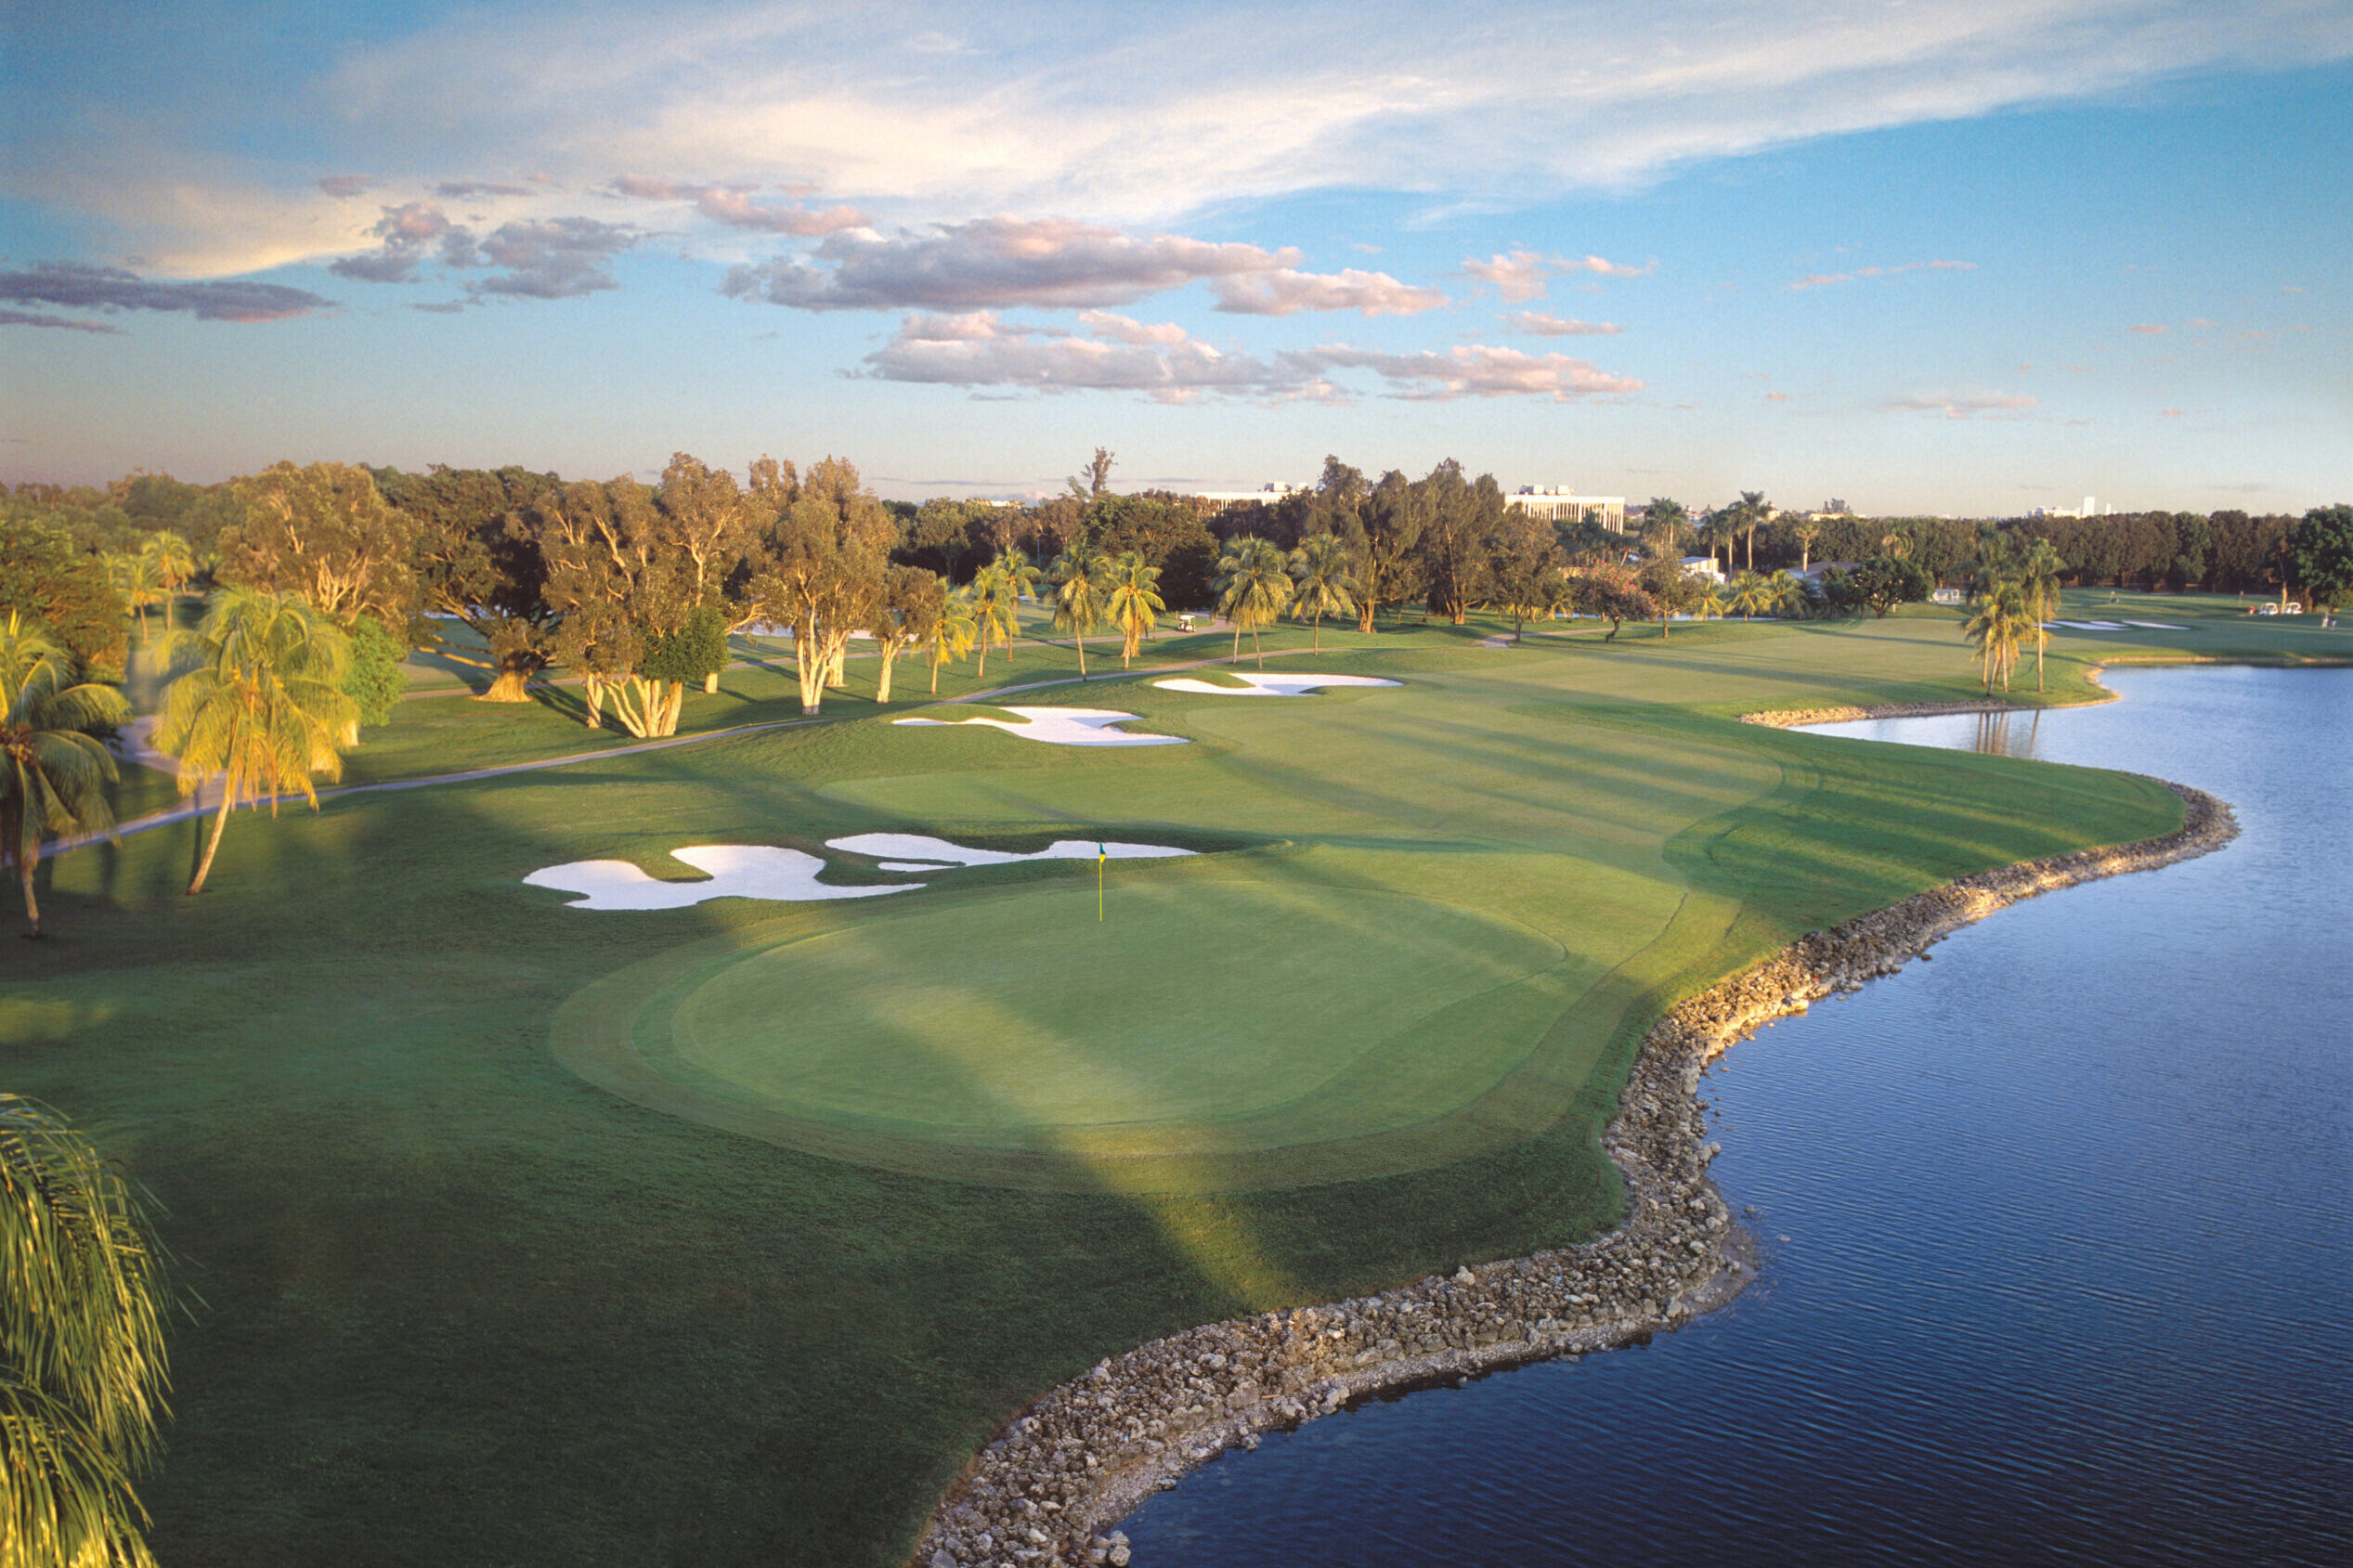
<point x="374" y="679"/>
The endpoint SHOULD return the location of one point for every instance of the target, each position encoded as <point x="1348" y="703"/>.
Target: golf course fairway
<point x="724" y="1233"/>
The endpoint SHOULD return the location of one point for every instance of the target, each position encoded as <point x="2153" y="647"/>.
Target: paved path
<point x="137" y="746"/>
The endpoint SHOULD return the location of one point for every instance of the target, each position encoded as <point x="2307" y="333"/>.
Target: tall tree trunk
<point x="1319" y="647"/>
<point x="594" y="690"/>
<point x="808" y="670"/>
<point x="508" y="682"/>
<point x="710" y="684"/>
<point x="883" y="681"/>
<point x="1237" y="653"/>
<point x="1078" y="640"/>
<point x="204" y="866"/>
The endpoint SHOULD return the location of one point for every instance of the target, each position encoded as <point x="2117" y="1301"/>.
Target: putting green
<point x="1009" y="1037"/>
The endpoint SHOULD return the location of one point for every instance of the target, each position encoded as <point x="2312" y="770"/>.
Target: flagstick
<point x="1098" y="889"/>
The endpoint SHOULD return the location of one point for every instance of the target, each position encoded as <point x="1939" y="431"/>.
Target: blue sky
<point x="1922" y="257"/>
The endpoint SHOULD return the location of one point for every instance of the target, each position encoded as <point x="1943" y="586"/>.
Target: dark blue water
<point x="2057" y="1242"/>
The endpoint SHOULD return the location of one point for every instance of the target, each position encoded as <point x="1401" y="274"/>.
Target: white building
<point x="1558" y="505"/>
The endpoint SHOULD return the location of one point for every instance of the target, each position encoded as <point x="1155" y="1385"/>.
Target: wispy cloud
<point x="465" y="190"/>
<point x="2150" y="329"/>
<point x="78" y="287"/>
<point x="1536" y="323"/>
<point x="1519" y="276"/>
<point x="917" y="110"/>
<point x="1966" y="405"/>
<point x="28" y="318"/>
<point x="981" y="349"/>
<point x="342" y="185"/>
<point x="1283" y="291"/>
<point x="1823" y="279"/>
<point x="1007" y="263"/>
<point x="540" y="258"/>
<point x="732" y="205"/>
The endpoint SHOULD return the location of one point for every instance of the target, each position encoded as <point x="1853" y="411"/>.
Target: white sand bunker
<point x="2089" y="626"/>
<point x="736" y="871"/>
<point x="2157" y="626"/>
<point x="1062" y="726"/>
<point x="936" y="851"/>
<point x="1272" y="685"/>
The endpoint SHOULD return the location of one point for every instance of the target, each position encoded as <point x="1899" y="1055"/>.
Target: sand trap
<point x="2156" y="625"/>
<point x="737" y="871"/>
<point x="901" y="844"/>
<point x="2089" y="626"/>
<point x="1062" y="726"/>
<point x="1271" y="685"/>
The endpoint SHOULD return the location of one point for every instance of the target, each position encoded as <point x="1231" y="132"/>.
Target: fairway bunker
<point x="734" y="871"/>
<point x="1271" y="685"/>
<point x="755" y="871"/>
<point x="1059" y="726"/>
<point x="915" y="851"/>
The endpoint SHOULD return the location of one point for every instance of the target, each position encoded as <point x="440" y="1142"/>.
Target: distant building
<point x="1270" y="494"/>
<point x="1703" y="566"/>
<point x="1558" y="505"/>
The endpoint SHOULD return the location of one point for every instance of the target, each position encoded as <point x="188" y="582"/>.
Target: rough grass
<point x="459" y="1304"/>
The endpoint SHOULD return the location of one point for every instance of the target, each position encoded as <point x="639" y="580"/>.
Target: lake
<point x="2056" y="1247"/>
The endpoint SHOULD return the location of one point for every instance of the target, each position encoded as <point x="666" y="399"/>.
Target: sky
<point x="1917" y="256"/>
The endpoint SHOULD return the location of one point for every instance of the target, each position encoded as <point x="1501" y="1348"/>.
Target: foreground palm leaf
<point x="81" y="1363"/>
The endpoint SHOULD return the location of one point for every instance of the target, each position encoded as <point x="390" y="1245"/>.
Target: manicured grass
<point x="461" y="1303"/>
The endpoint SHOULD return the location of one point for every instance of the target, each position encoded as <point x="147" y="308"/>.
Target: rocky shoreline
<point x="1084" y="1455"/>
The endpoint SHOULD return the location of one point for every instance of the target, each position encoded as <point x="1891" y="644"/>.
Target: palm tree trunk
<point x="26" y="861"/>
<point x="1079" y="638"/>
<point x="1259" y="653"/>
<point x="204" y="866"/>
<point x="1319" y="647"/>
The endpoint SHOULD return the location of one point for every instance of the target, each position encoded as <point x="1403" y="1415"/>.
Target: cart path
<point x="137" y="747"/>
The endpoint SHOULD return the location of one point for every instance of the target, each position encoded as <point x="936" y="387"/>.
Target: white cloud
<point x="733" y="206"/>
<point x="1966" y="405"/>
<point x="1283" y="291"/>
<point x="994" y="264"/>
<point x="1476" y="370"/>
<point x="1537" y="323"/>
<point x="981" y="349"/>
<point x="1823" y="279"/>
<point x="1519" y="276"/>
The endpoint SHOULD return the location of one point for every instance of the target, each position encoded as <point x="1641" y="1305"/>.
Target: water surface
<point x="2058" y="1241"/>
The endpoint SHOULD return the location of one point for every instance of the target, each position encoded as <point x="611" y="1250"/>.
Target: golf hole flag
<point x="1103" y="853"/>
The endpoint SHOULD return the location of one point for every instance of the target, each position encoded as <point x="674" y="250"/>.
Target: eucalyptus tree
<point x="1326" y="587"/>
<point x="823" y="572"/>
<point x="326" y="532"/>
<point x="1079" y="592"/>
<point x="1253" y="585"/>
<point x="912" y="602"/>
<point x="1383" y="535"/>
<point x="83" y="1367"/>
<point x="478" y="561"/>
<point x="259" y="704"/>
<point x="53" y="771"/>
<point x="1134" y="603"/>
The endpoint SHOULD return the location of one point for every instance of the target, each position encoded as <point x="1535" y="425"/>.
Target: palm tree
<point x="1021" y="577"/>
<point x="53" y="773"/>
<point x="1751" y="593"/>
<point x="1079" y="588"/>
<point x="175" y="559"/>
<point x="1134" y="604"/>
<point x="952" y="634"/>
<point x="136" y="577"/>
<point x="1807" y="533"/>
<point x="260" y="704"/>
<point x="1754" y="510"/>
<point x="1994" y="630"/>
<point x="2038" y="575"/>
<point x="1253" y="584"/>
<point x="1787" y="592"/>
<point x="81" y="1362"/>
<point x="995" y="608"/>
<point x="1320" y="566"/>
